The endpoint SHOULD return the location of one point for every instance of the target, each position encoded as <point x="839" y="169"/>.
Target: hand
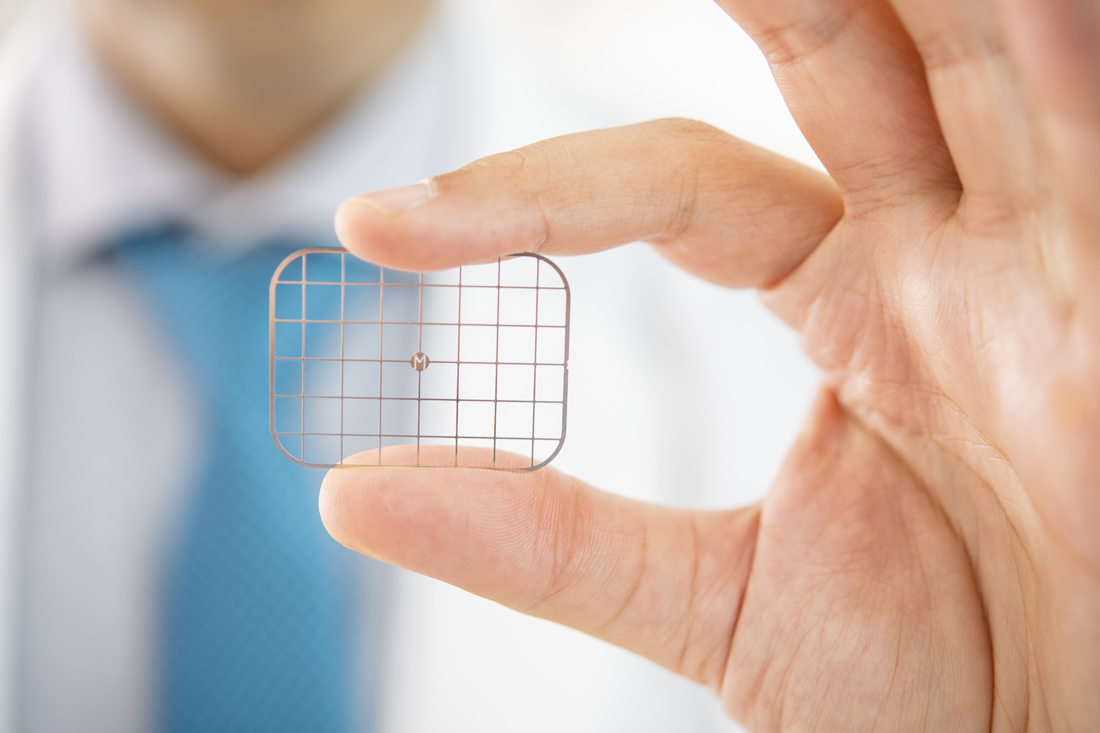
<point x="929" y="556"/>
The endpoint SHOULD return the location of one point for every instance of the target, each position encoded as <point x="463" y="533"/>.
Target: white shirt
<point x="107" y="479"/>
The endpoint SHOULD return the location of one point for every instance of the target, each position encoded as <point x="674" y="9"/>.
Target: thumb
<point x="662" y="582"/>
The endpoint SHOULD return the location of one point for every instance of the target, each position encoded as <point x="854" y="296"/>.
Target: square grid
<point x="364" y="357"/>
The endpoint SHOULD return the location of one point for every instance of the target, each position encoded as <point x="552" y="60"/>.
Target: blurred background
<point x="10" y="12"/>
<point x="708" y="391"/>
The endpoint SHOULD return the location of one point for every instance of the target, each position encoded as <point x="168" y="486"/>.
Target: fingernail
<point x="399" y="200"/>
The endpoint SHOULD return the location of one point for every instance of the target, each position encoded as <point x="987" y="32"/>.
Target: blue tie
<point x="256" y="600"/>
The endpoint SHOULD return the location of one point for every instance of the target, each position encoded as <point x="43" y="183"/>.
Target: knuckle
<point x="790" y="43"/>
<point x="683" y="128"/>
<point x="557" y="539"/>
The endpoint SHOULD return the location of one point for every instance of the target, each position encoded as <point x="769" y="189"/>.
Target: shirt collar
<point x="104" y="166"/>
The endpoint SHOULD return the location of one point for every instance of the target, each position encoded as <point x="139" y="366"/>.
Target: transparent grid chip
<point x="463" y="367"/>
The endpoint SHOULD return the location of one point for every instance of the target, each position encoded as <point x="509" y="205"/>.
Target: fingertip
<point x="415" y="517"/>
<point x="333" y="507"/>
<point x="369" y="224"/>
<point x="416" y="239"/>
<point x="402" y="240"/>
<point x="360" y="227"/>
<point x="348" y="501"/>
<point x="346" y="216"/>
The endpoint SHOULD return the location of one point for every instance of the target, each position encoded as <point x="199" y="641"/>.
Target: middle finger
<point x="856" y="86"/>
<point x="984" y="108"/>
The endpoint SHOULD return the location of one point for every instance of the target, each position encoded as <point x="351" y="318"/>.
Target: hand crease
<point x="689" y="612"/>
<point x="636" y="586"/>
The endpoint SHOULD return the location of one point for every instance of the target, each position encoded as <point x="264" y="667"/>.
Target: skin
<point x="928" y="558"/>
<point x="245" y="82"/>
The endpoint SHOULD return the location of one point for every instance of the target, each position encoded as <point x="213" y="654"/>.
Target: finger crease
<point x="799" y="40"/>
<point x="939" y="54"/>
<point x="636" y="586"/>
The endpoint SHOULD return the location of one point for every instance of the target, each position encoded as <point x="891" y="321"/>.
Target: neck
<point x="246" y="83"/>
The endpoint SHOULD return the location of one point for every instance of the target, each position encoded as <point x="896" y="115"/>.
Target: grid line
<point x="418" y="435"/>
<point x="487" y="408"/>
<point x="414" y="323"/>
<point x="535" y="377"/>
<point x="381" y="347"/>
<point x="343" y="299"/>
<point x="419" y="372"/>
<point x="402" y="361"/>
<point x="412" y="399"/>
<point x="496" y="366"/>
<point x="458" y="356"/>
<point x="414" y="285"/>
<point x="304" y="280"/>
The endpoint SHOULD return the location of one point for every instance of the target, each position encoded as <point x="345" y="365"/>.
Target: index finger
<point x="721" y="208"/>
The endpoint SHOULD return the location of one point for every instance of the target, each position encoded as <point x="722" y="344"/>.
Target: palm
<point x="927" y="559"/>
<point x="901" y="512"/>
<point x="931" y="549"/>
